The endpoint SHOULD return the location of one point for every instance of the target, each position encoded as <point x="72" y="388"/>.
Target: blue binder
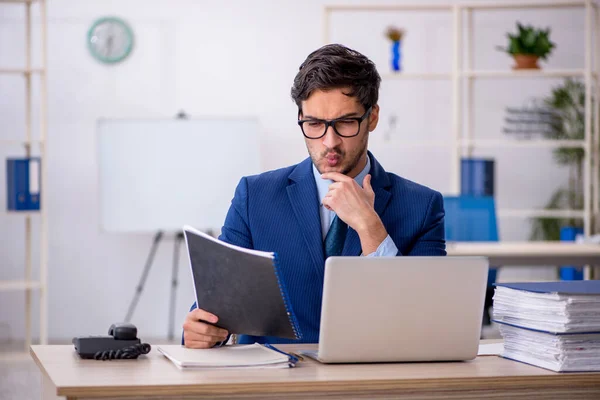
<point x="23" y="184"/>
<point x="560" y="287"/>
<point x="477" y="177"/>
<point x="568" y="272"/>
<point x="565" y="334"/>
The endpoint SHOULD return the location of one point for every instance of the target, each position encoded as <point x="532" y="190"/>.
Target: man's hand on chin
<point x="355" y="206"/>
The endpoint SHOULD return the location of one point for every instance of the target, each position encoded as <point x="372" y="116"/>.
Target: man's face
<point x="333" y="153"/>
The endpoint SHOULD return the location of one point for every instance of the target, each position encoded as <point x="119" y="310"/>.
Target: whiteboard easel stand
<point x="174" y="282"/>
<point x="140" y="287"/>
<point x="174" y="271"/>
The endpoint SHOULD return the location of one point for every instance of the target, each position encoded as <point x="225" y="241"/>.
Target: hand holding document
<point x="242" y="287"/>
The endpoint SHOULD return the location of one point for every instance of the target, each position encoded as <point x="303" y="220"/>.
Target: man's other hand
<point x="198" y="333"/>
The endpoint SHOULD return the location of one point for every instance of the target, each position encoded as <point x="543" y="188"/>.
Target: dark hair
<point x="335" y="66"/>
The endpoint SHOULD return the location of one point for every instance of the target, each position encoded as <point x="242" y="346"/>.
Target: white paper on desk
<point x="234" y="356"/>
<point x="491" y="349"/>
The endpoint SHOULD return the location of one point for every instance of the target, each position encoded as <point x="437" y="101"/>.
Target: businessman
<point x="338" y="201"/>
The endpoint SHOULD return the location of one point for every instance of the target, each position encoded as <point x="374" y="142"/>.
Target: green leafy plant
<point x="529" y="40"/>
<point x="567" y="102"/>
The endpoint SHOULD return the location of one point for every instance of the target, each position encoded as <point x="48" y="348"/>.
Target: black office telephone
<point x="121" y="343"/>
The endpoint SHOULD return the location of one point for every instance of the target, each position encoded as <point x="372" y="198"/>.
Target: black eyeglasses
<point x="344" y="127"/>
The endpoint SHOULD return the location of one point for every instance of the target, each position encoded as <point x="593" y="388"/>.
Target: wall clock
<point x="110" y="40"/>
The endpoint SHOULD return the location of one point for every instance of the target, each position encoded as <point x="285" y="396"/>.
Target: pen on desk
<point x="294" y="358"/>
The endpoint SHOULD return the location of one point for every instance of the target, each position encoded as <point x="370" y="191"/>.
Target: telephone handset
<point x="121" y="343"/>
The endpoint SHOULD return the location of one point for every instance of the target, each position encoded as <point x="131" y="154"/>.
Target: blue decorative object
<point x="396" y="60"/>
<point x="569" y="272"/>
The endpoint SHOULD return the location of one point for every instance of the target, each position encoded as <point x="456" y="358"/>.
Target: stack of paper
<point x="235" y="356"/>
<point x="554" y="325"/>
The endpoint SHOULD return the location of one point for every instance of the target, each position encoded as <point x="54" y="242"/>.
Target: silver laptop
<point x="396" y="309"/>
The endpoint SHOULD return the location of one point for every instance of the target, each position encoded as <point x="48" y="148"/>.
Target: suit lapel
<point x="302" y="193"/>
<point x="380" y="183"/>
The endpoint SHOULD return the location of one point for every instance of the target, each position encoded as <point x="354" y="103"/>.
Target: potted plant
<point x="567" y="103"/>
<point x="528" y="45"/>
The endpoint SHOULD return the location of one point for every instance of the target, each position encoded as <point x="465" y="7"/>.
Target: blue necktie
<point x="334" y="241"/>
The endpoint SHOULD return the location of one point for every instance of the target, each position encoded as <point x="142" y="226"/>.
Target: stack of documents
<point x="235" y="356"/>
<point x="553" y="325"/>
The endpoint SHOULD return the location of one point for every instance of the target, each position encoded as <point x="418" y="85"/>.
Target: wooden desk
<point x="532" y="253"/>
<point x="153" y="376"/>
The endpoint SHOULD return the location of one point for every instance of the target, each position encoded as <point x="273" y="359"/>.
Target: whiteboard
<point x="164" y="174"/>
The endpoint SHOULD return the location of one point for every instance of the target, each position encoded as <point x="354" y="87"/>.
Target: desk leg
<point x="48" y="389"/>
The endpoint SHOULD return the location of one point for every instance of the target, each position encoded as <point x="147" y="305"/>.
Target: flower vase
<point x="396" y="64"/>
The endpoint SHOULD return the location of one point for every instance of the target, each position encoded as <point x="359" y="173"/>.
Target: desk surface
<point x="154" y="375"/>
<point x="529" y="253"/>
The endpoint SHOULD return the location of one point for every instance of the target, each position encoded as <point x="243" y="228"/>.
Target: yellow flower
<point x="394" y="34"/>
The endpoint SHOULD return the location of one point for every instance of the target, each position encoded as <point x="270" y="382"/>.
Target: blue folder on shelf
<point x="23" y="184"/>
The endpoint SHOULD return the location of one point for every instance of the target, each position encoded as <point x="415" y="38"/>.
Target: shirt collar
<point x="323" y="184"/>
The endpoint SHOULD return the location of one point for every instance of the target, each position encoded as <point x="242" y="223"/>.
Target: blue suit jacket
<point x="278" y="211"/>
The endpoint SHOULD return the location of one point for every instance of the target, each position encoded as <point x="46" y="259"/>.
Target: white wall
<point x="229" y="58"/>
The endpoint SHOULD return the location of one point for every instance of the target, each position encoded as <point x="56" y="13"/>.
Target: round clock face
<point x="110" y="40"/>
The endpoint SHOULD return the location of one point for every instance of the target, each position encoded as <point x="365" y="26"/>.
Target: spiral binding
<point x="286" y="302"/>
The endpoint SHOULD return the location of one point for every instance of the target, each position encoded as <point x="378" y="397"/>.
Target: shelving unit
<point x="413" y="75"/>
<point x="557" y="73"/>
<point x="28" y="284"/>
<point x="537" y="143"/>
<point x="462" y="141"/>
